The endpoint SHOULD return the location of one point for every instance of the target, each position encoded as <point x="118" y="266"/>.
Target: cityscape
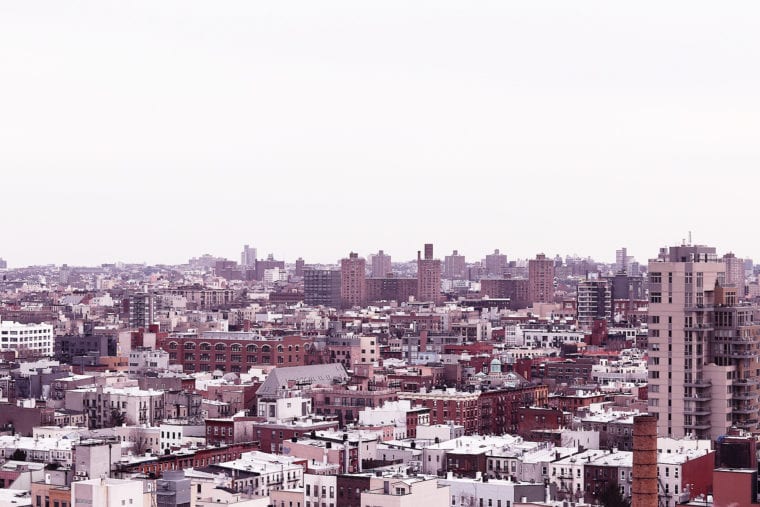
<point x="493" y="381"/>
<point x="359" y="253"/>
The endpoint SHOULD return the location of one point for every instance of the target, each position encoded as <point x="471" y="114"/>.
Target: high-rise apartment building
<point x="248" y="257"/>
<point x="514" y="289"/>
<point x="622" y="260"/>
<point x="594" y="301"/>
<point x="380" y="265"/>
<point x="300" y="264"/>
<point x="454" y="266"/>
<point x="735" y="273"/>
<point x="496" y="264"/>
<point x="321" y="287"/>
<point x="704" y="358"/>
<point x="352" y="286"/>
<point x="141" y="310"/>
<point x="541" y="279"/>
<point x="428" y="276"/>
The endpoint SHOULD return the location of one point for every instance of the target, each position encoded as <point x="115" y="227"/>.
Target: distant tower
<point x="381" y="265"/>
<point x="141" y="310"/>
<point x="321" y="287"/>
<point x="352" y="281"/>
<point x="428" y="276"/>
<point x="496" y="264"/>
<point x="454" y="267"/>
<point x="541" y="279"/>
<point x="735" y="273"/>
<point x="248" y="257"/>
<point x="299" y="267"/>
<point x="623" y="261"/>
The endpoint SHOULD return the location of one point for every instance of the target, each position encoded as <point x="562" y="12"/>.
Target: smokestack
<point x="644" y="490"/>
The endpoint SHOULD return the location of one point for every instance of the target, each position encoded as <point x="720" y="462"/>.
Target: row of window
<point x="235" y="347"/>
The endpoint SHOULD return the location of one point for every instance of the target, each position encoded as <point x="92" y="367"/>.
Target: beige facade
<point x="680" y="332"/>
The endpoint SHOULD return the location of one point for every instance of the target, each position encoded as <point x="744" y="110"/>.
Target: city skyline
<point x="290" y="258"/>
<point x="512" y="125"/>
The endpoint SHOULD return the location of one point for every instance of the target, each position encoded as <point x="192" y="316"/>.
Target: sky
<point x="154" y="131"/>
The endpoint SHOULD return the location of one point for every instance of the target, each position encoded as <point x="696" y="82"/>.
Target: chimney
<point x="644" y="490"/>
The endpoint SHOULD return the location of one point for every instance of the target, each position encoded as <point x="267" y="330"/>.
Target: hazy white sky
<point x="159" y="130"/>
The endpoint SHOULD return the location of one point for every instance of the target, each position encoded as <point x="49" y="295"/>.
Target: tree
<point x="117" y="417"/>
<point x="139" y="438"/>
<point x="18" y="455"/>
<point x="612" y="497"/>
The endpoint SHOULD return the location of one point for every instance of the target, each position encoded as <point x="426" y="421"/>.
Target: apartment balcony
<point x="699" y="327"/>
<point x="698" y="426"/>
<point x="746" y="382"/>
<point x="746" y="410"/>
<point x="697" y="411"/>
<point x="751" y="395"/>
<point x="698" y="383"/>
<point x="698" y="398"/>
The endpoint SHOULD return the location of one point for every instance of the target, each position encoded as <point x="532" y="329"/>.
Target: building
<point x="203" y="298"/>
<point x="107" y="492"/>
<point x="454" y="266"/>
<point x="391" y="288"/>
<point x="623" y="261"/>
<point x="69" y="347"/>
<point x="594" y="302"/>
<point x="428" y="276"/>
<point x="322" y="287"/>
<point x="395" y="491"/>
<point x="141" y="310"/>
<point x="248" y="257"/>
<point x="703" y="348"/>
<point x="28" y="340"/>
<point x="541" y="279"/>
<point x="735" y="273"/>
<point x="111" y="406"/>
<point x="237" y="351"/>
<point x="496" y="264"/>
<point x="173" y="489"/>
<point x="380" y="264"/>
<point x="352" y="286"/>
<point x="145" y="359"/>
<point x="516" y="290"/>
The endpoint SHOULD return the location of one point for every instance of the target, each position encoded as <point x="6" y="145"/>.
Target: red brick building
<point x="238" y="351"/>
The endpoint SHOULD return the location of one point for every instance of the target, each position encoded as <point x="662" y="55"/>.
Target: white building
<point x="110" y="406"/>
<point x="391" y="413"/>
<point x="108" y="492"/>
<point x="27" y="339"/>
<point x="273" y="472"/>
<point x="146" y="359"/>
<point x="320" y="489"/>
<point x="41" y="450"/>
<point x="467" y="492"/>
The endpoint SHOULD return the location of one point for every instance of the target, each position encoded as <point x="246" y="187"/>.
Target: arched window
<point x="190" y="346"/>
<point x="266" y="348"/>
<point x="251" y="348"/>
<point x="219" y="346"/>
<point x="172" y="345"/>
<point x="280" y="348"/>
<point x="205" y="346"/>
<point x="236" y="347"/>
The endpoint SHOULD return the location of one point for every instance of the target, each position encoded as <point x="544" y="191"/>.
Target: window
<point x="655" y="277"/>
<point x="655" y="297"/>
